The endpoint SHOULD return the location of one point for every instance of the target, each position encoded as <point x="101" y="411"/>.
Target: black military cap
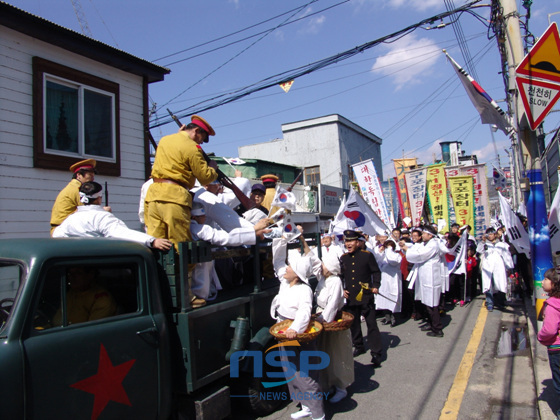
<point x="350" y="235"/>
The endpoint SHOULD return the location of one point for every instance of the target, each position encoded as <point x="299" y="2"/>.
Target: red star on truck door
<point x="106" y="384"/>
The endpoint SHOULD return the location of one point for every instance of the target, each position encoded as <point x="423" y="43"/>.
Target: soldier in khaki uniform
<point x="178" y="164"/>
<point x="68" y="199"/>
<point x="269" y="182"/>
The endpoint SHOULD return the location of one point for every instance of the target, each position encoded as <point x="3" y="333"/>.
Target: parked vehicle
<point x="152" y="356"/>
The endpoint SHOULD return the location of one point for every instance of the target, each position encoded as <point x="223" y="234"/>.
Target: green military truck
<point x="145" y="353"/>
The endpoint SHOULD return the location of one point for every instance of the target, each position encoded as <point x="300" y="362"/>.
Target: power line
<point x="307" y="69"/>
<point x="236" y="55"/>
<point x="459" y="34"/>
<point x="250" y="36"/>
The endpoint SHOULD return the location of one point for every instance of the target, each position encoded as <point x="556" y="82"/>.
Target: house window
<point x="312" y="175"/>
<point x="76" y="116"/>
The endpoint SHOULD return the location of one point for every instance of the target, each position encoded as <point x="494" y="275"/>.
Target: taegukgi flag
<point x="357" y="214"/>
<point x="517" y="235"/>
<point x="490" y="112"/>
<point x="235" y="161"/>
<point x="284" y="199"/>
<point x="499" y="179"/>
<point x="460" y="251"/>
<point x="554" y="224"/>
<point x="339" y="218"/>
<point x="288" y="227"/>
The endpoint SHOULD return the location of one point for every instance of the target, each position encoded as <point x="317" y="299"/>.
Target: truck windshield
<point x="10" y="279"/>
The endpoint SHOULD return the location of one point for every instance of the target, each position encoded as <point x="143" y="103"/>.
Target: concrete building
<point x="326" y="147"/>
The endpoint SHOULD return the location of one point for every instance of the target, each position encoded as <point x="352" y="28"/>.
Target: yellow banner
<point x="462" y="193"/>
<point x="437" y="193"/>
<point x="402" y="166"/>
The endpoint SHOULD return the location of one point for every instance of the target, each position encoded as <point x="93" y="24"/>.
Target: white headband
<point x="86" y="198"/>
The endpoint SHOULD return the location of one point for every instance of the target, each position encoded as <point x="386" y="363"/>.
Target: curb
<point x="539" y="358"/>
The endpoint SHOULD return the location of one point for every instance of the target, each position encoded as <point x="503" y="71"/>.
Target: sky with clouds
<point x="404" y="92"/>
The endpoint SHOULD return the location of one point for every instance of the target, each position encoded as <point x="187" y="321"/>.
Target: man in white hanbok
<point x="495" y="261"/>
<point x="329" y="247"/>
<point x="426" y="277"/>
<point x="389" y="297"/>
<point x="93" y="221"/>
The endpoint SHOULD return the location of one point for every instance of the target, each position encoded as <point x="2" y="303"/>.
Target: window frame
<point x="142" y="307"/>
<point x="312" y="173"/>
<point x="44" y="70"/>
<point x="23" y="278"/>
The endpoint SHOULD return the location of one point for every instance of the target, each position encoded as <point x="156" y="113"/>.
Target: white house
<point x="65" y="97"/>
<point x="326" y="147"/>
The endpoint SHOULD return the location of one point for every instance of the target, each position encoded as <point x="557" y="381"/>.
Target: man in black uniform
<point x="362" y="279"/>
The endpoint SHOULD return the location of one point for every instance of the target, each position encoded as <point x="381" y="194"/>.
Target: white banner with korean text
<point x="366" y="176"/>
<point x="416" y="188"/>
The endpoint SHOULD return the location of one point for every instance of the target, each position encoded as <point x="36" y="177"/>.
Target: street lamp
<point x="550" y="14"/>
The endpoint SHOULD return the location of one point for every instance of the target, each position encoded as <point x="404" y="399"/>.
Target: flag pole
<point x="229" y="163"/>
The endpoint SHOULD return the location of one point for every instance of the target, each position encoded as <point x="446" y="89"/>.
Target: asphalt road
<point x="418" y="372"/>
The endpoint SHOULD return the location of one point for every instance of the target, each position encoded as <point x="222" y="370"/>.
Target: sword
<point x="382" y="295"/>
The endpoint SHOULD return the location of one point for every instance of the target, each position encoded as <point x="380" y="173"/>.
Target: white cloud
<point x="541" y="236"/>
<point x="419" y="5"/>
<point x="407" y="60"/>
<point x="488" y="153"/>
<point x="313" y="25"/>
<point x="235" y="3"/>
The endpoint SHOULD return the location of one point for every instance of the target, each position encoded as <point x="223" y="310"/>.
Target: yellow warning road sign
<point x="543" y="61"/>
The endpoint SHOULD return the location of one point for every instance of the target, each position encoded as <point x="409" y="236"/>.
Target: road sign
<point x="538" y="98"/>
<point x="543" y="61"/>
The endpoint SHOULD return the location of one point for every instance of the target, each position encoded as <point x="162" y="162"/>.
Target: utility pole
<point x="531" y="181"/>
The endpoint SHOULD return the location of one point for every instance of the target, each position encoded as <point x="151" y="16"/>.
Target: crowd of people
<point x="413" y="273"/>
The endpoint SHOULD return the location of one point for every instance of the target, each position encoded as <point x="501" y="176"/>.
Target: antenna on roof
<point x="81" y="17"/>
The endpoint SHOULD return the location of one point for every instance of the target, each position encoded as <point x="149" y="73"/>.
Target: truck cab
<point x="102" y="328"/>
<point x="59" y="364"/>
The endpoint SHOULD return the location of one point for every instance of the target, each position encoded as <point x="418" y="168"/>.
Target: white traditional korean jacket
<point x="204" y="274"/>
<point x="426" y="275"/>
<point x="329" y="292"/>
<point x="92" y="221"/>
<point x="390" y="291"/>
<point x="495" y="261"/>
<point x="293" y="302"/>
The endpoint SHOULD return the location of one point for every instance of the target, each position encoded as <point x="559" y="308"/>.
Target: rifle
<point x="106" y="195"/>
<point x="295" y="180"/>
<point x="245" y="201"/>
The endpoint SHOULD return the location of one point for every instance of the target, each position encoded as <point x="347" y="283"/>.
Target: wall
<point x="26" y="193"/>
<point x="331" y="142"/>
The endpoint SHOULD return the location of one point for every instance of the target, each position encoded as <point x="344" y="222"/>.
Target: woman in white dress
<point x="337" y="344"/>
<point x="294" y="301"/>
